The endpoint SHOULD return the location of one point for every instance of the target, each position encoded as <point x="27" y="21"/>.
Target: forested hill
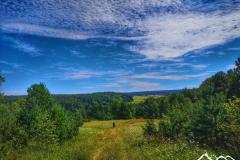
<point x="146" y="93"/>
<point x="99" y="96"/>
<point x="83" y="99"/>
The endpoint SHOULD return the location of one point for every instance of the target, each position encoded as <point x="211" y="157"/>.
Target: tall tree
<point x="237" y="63"/>
<point x="1" y="81"/>
<point x="44" y="120"/>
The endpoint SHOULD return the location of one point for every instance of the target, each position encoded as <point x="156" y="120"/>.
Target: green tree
<point x="237" y="64"/>
<point x="43" y="119"/>
<point x="12" y="135"/>
<point x="1" y="81"/>
<point x="172" y="124"/>
<point x="231" y="127"/>
<point x="234" y="80"/>
<point x="150" y="128"/>
<point x="126" y="111"/>
<point x="206" y="120"/>
<point x="215" y="84"/>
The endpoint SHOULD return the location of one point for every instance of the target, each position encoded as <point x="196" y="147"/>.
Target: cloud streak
<point x="23" y="46"/>
<point x="13" y="65"/>
<point x="81" y="75"/>
<point x="160" y="29"/>
<point x="156" y="75"/>
<point x="125" y="77"/>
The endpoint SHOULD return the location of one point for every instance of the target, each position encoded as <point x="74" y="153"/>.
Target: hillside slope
<point x="99" y="141"/>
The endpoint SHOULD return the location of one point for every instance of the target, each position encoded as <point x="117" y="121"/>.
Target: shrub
<point x="12" y="136"/>
<point x="231" y="127"/>
<point x="207" y="118"/>
<point x="150" y="128"/>
<point x="43" y="119"/>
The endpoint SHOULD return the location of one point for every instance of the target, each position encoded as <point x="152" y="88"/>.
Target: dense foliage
<point x="102" y="106"/>
<point x="36" y="119"/>
<point x="208" y="115"/>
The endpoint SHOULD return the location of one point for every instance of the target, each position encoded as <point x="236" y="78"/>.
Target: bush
<point x="43" y="119"/>
<point x="171" y="126"/>
<point x="150" y="128"/>
<point x="12" y="136"/>
<point x="231" y="127"/>
<point x="205" y="124"/>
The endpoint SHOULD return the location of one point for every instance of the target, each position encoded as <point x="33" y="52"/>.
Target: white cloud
<point x="43" y="31"/>
<point x="171" y="36"/>
<point x="23" y="46"/>
<point x="81" y="75"/>
<point x="14" y="92"/>
<point x="174" y="67"/>
<point x="126" y="77"/>
<point x="156" y="75"/>
<point x="200" y="66"/>
<point x="234" y="49"/>
<point x="13" y="65"/>
<point x="85" y="74"/>
<point x="184" y="64"/>
<point x="77" y="54"/>
<point x="231" y="66"/>
<point x="132" y="85"/>
<point x="144" y="86"/>
<point x="27" y="48"/>
<point x="162" y="29"/>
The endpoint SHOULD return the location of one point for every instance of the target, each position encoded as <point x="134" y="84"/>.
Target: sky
<point x="86" y="46"/>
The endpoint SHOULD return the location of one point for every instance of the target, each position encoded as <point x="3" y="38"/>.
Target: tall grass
<point x="98" y="140"/>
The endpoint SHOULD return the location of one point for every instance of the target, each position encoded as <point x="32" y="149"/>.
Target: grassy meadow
<point x="99" y="141"/>
<point x="141" y="99"/>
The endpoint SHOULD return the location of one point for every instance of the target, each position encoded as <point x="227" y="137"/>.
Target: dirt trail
<point x="112" y="139"/>
<point x="112" y="143"/>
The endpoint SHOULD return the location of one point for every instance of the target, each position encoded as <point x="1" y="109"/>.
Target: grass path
<point x="99" y="141"/>
<point x="113" y="142"/>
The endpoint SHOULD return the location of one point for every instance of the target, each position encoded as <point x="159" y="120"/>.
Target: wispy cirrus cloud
<point x="171" y="36"/>
<point x="14" y="92"/>
<point x="132" y="86"/>
<point x="126" y="77"/>
<point x="81" y="75"/>
<point x="193" y="66"/>
<point x="84" y="74"/>
<point x="156" y="75"/>
<point x="234" y="49"/>
<point x="27" y="48"/>
<point x="173" y="67"/>
<point x="77" y="54"/>
<point x="23" y="46"/>
<point x="13" y="65"/>
<point x="143" y="86"/>
<point x="231" y="66"/>
<point x="43" y="31"/>
<point x="159" y="29"/>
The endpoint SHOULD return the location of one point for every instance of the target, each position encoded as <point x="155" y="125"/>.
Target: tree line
<point x="37" y="120"/>
<point x="208" y="116"/>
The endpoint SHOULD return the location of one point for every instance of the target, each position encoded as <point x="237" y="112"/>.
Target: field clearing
<point x="140" y="99"/>
<point x="99" y="141"/>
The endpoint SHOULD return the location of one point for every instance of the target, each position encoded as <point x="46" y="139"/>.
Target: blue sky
<point x="85" y="46"/>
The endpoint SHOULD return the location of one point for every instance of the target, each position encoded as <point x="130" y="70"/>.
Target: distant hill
<point x="99" y="96"/>
<point x="146" y="93"/>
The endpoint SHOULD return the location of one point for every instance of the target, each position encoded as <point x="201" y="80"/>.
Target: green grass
<point x="140" y="99"/>
<point x="99" y="141"/>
